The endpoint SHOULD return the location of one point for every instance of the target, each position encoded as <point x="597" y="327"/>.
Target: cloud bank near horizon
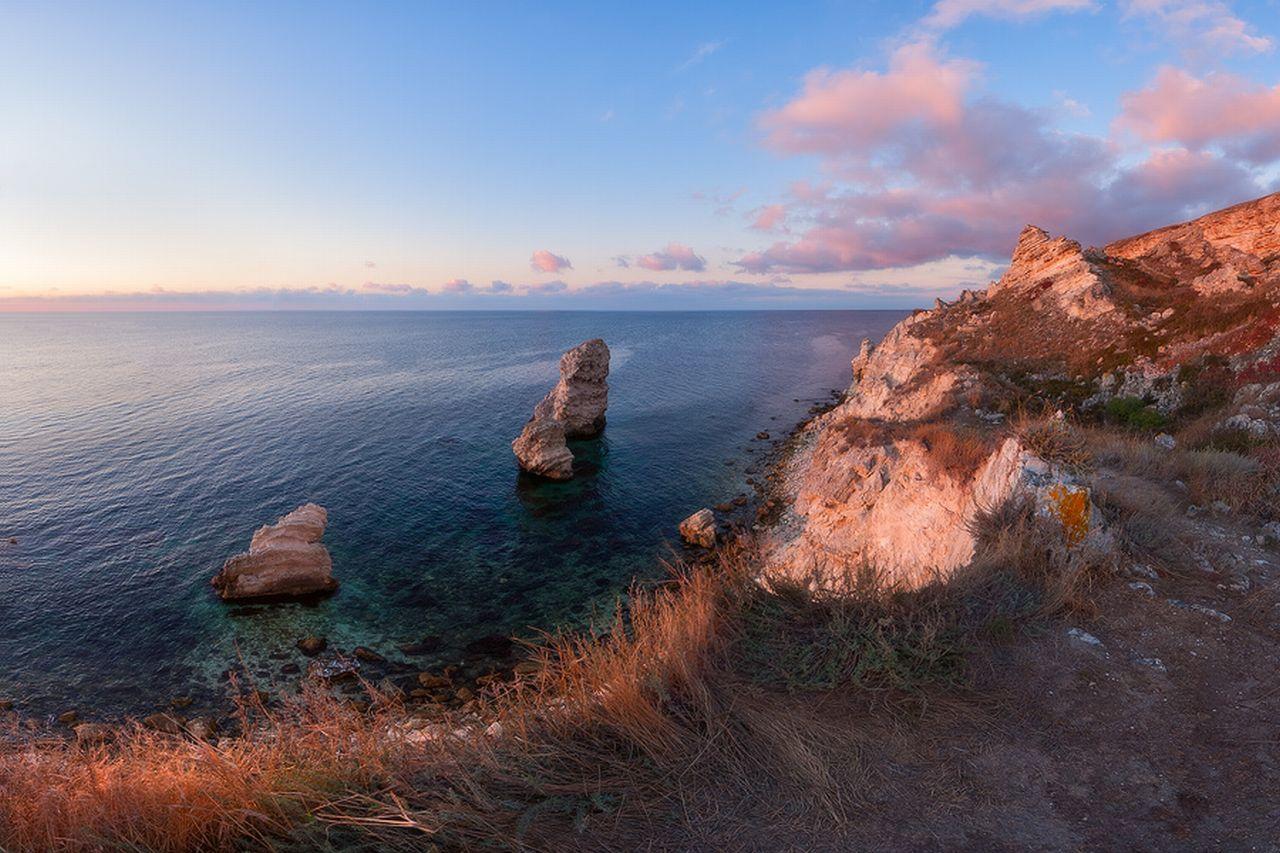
<point x="499" y="296"/>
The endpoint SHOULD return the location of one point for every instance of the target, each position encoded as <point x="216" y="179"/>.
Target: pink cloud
<point x="675" y="256"/>
<point x="380" y="287"/>
<point x="545" y="261"/>
<point x="846" y="113"/>
<point x="1220" y="109"/>
<point x="920" y="173"/>
<point x="769" y="217"/>
<point x="1200" y="25"/>
<point x="950" y="13"/>
<point x="457" y="285"/>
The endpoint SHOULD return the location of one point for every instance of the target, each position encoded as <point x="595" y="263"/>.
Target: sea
<point x="139" y="451"/>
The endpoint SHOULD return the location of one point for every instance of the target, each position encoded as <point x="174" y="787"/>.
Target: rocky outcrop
<point x="888" y="505"/>
<point x="1065" y="326"/>
<point x="699" y="529"/>
<point x="581" y="396"/>
<point x="1057" y="273"/>
<point x="541" y="449"/>
<point x="284" y="559"/>
<point x="573" y="409"/>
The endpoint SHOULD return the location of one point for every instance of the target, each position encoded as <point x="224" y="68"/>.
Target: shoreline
<point x="494" y="658"/>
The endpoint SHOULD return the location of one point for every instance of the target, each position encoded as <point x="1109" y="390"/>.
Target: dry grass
<point x="954" y="450"/>
<point x="621" y="730"/>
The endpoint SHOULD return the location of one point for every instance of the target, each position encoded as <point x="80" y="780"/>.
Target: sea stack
<point x="574" y="408"/>
<point x="284" y="559"/>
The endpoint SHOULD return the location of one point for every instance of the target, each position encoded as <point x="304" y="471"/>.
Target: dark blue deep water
<point x="138" y="451"/>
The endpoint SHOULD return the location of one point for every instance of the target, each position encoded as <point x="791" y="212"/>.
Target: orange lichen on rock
<point x="1070" y="505"/>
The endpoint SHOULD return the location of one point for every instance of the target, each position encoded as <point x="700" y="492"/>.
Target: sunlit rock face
<point x="581" y="396"/>
<point x="574" y="408"/>
<point x="284" y="559"/>
<point x="1131" y="320"/>
<point x="541" y="449"/>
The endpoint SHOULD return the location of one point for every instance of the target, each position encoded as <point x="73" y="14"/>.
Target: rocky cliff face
<point x="1144" y="319"/>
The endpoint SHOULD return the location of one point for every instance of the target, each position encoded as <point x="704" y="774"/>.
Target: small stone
<point x="1142" y="570"/>
<point x="740" y="500"/>
<point x="762" y="436"/>
<point x="527" y="667"/>
<point x="1153" y="663"/>
<point x="68" y="717"/>
<point x="1166" y="441"/>
<point x="180" y="701"/>
<point x="312" y="645"/>
<point x="724" y="507"/>
<point x="368" y="655"/>
<point x="699" y="529"/>
<point x="464" y="694"/>
<point x="391" y="690"/>
<point x="1143" y="587"/>
<point x="333" y="669"/>
<point x="1220" y="507"/>
<point x="163" y="723"/>
<point x="1201" y="609"/>
<point x="1084" y="637"/>
<point x="6" y="705"/>
<point x="431" y="681"/>
<point x="88" y="734"/>
<point x="202" y="728"/>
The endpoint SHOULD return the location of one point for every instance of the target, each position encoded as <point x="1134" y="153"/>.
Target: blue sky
<point x="411" y="155"/>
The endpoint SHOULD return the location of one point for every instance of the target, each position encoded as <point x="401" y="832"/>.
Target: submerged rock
<point x="285" y="558"/>
<point x="574" y="408"/>
<point x="699" y="529"/>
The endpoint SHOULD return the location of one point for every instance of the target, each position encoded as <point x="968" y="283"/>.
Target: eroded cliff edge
<point x="952" y="412"/>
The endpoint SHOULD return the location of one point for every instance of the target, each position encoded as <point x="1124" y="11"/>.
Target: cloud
<point x="676" y="256"/>
<point x="496" y="286"/>
<point x="699" y="54"/>
<point x="769" y="218"/>
<point x="1222" y="110"/>
<point x="457" y="285"/>
<point x="951" y="13"/>
<point x="381" y="287"/>
<point x="545" y="287"/>
<point x="607" y="116"/>
<point x="622" y="261"/>
<point x="1201" y="26"/>
<point x="545" y="261"/>
<point x="922" y="166"/>
<point x="370" y="264"/>
<point x="851" y="113"/>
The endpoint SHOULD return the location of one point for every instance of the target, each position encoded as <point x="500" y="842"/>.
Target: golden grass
<point x="621" y="730"/>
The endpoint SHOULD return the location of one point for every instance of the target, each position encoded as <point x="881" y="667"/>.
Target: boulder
<point x="574" y="408"/>
<point x="541" y="449"/>
<point x="89" y="734"/>
<point x="284" y="559"/>
<point x="699" y="529"/>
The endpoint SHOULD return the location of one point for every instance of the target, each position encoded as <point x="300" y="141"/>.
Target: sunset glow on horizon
<point x="828" y="154"/>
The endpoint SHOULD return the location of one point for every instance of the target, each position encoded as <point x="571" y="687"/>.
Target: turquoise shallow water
<point x="138" y="451"/>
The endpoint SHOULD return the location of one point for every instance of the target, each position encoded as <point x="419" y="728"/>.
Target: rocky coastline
<point x="893" y="470"/>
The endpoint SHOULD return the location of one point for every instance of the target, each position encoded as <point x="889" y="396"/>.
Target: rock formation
<point x="574" y="408"/>
<point x="1068" y="326"/>
<point x="699" y="529"/>
<point x="284" y="559"/>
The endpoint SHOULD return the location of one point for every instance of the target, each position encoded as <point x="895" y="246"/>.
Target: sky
<point x="379" y="155"/>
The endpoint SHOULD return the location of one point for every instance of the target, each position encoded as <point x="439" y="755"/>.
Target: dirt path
<point x="1153" y="726"/>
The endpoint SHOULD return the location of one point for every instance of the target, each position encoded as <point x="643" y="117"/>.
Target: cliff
<point x="1172" y="324"/>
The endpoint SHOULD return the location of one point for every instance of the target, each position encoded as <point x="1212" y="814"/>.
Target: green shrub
<point x="1133" y="413"/>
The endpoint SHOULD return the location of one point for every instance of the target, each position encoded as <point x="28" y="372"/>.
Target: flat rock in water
<point x="284" y="559"/>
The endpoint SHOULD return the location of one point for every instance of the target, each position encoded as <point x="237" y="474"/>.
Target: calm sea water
<point x="137" y="452"/>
